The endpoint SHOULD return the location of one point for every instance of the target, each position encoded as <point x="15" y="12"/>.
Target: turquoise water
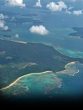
<point x="48" y="83"/>
<point x="59" y="26"/>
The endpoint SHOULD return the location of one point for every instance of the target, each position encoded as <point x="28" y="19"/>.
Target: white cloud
<point x="59" y="6"/>
<point x="19" y="3"/>
<point x="74" y="12"/>
<point x="39" y="30"/>
<point x="2" y="16"/>
<point x="68" y="11"/>
<point x="77" y="12"/>
<point x="16" y="35"/>
<point x="2" y="22"/>
<point x="38" y="4"/>
<point x="2" y="25"/>
<point x="5" y="28"/>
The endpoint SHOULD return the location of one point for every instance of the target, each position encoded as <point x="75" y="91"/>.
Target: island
<point x="18" y="58"/>
<point x="78" y="32"/>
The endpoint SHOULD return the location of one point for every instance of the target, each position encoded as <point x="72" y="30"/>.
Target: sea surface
<point x="60" y="27"/>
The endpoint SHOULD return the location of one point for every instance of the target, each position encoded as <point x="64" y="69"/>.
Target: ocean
<point x="59" y="25"/>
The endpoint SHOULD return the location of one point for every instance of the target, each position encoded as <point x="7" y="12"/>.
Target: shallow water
<point x="59" y="26"/>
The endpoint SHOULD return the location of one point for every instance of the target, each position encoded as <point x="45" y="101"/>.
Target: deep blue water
<point x="73" y="85"/>
<point x="59" y="25"/>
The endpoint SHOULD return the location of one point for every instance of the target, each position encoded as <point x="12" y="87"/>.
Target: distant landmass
<point x="19" y="58"/>
<point x="78" y="31"/>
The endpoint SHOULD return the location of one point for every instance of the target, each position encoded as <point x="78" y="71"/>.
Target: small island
<point x="78" y="32"/>
<point x="22" y="58"/>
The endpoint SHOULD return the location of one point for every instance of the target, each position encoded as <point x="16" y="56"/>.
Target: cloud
<point x="39" y="30"/>
<point x="59" y="6"/>
<point x="38" y="4"/>
<point x="69" y="10"/>
<point x="2" y="22"/>
<point x="2" y="25"/>
<point x="77" y="12"/>
<point x="19" y="3"/>
<point x="74" y="12"/>
<point x="16" y="35"/>
<point x="2" y="16"/>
